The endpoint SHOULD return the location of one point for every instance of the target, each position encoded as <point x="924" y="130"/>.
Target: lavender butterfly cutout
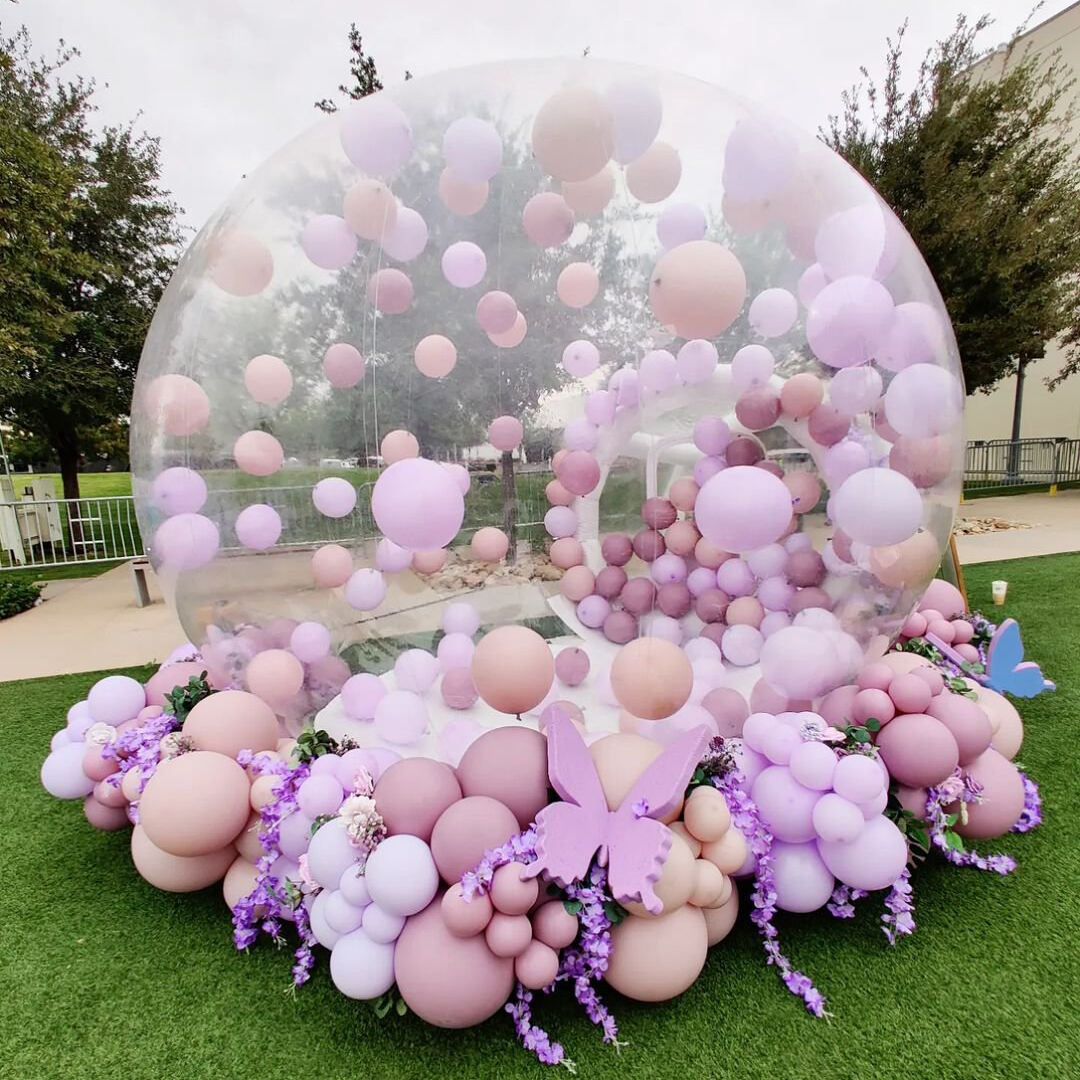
<point x="1006" y="668"/>
<point x="630" y="841"/>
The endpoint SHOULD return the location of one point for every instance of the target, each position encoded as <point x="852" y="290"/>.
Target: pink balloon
<point x="417" y="504"/>
<point x="185" y="542"/>
<point x="365" y="589"/>
<point x="464" y="264"/>
<point x="566" y="552"/>
<point x="376" y="135"/>
<point x="370" y="209"/>
<point x="435" y="356"/>
<point x="240" y="263"/>
<point x="698" y="288"/>
<point x="328" y="241"/>
<point x="513" y="337"/>
<point x="573" y="133"/>
<point x="334" y="497"/>
<point x="343" y="365"/>
<point x="506" y="433"/>
<point x="310" y="641"/>
<point x="178" y="490"/>
<point x="473" y="149"/>
<point x="408" y="236"/>
<point x="579" y="472"/>
<point x="331" y="566"/>
<point x="268" y="379"/>
<point x="547" y="219"/>
<point x="398" y="446"/>
<point x="577" y="285"/>
<point x="390" y="291"/>
<point x="589" y="197"/>
<point x="258" y="526"/>
<point x="258" y="453"/>
<point x="758" y="408"/>
<point x="655" y="174"/>
<point x="460" y="196"/>
<point x="680" y="224"/>
<point x="513" y="669"/>
<point x="489" y="544"/>
<point x="179" y="404"/>
<point x="496" y="312"/>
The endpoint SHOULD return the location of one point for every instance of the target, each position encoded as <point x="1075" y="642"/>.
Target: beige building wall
<point x="1045" y="413"/>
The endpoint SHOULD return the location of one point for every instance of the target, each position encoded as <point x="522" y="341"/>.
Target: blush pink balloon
<point x="179" y="404"/>
<point x="460" y="196"/>
<point x="258" y="453"/>
<point x="589" y="197"/>
<point x="398" y="446"/>
<point x="513" y="669"/>
<point x="573" y="133"/>
<point x="240" y="263"/>
<point x="514" y="336"/>
<point x="577" y="285"/>
<point x="505" y="433"/>
<point x="547" y="219"/>
<point x="698" y="288"/>
<point x="331" y="566"/>
<point x="566" y="552"/>
<point x="370" y="209"/>
<point x="268" y="379"/>
<point x="429" y="562"/>
<point x="579" y="472"/>
<point x="258" y="526"/>
<point x="390" y="291"/>
<point x="489" y="544"/>
<point x="435" y="356"/>
<point x="496" y="312"/>
<point x="343" y="365"/>
<point x="655" y="174"/>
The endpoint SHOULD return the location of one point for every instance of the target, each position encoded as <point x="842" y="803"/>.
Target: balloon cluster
<point x="825" y="808"/>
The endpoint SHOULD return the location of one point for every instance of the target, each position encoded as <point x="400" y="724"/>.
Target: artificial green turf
<point x="103" y="976"/>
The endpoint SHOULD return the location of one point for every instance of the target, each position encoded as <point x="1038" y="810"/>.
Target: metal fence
<point x="60" y="532"/>
<point x="1005" y="463"/>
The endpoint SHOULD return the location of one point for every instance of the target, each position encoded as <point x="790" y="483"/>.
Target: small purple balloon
<point x="455" y="651"/>
<point x="625" y="384"/>
<point x="391" y="558"/>
<point x="185" y="542"/>
<point x="658" y="372"/>
<point x="401" y="717"/>
<point x="365" y="589"/>
<point x="258" y="526"/>
<point x="310" y="641"/>
<point x="416" y="670"/>
<point x="408" y="236"/>
<point x="560" y="521"/>
<point x="680" y="223"/>
<point x="461" y="618"/>
<point x="319" y="795"/>
<point x="848" y="321"/>
<point x="572" y="666"/>
<point x="329" y="242"/>
<point x="593" y="610"/>
<point x="600" y="407"/>
<point x="406" y="486"/>
<point x="751" y="366"/>
<point x="707" y="467"/>
<point x="473" y="149"/>
<point x="668" y="568"/>
<point x="700" y="580"/>
<point x="712" y="435"/>
<point x="361" y="694"/>
<point x="334" y="497"/>
<point x="464" y="264"/>
<point x="735" y="577"/>
<point x="580" y="434"/>
<point x="696" y="361"/>
<point x="178" y="490"/>
<point x="580" y="358"/>
<point x="773" y="312"/>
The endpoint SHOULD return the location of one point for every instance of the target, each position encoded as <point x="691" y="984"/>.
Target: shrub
<point x="16" y="596"/>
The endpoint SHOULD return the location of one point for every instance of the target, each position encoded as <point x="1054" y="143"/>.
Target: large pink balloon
<point x="698" y="288"/>
<point x="417" y="504"/>
<point x="370" y="209"/>
<point x="513" y="669"/>
<point x="573" y="134"/>
<point x="343" y="365"/>
<point x="743" y="508"/>
<point x="435" y="356"/>
<point x="654" y="175"/>
<point x="258" y="453"/>
<point x="460" y="196"/>
<point x="178" y="403"/>
<point x="240" y="263"/>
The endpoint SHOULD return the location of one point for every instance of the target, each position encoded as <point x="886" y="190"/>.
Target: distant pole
<point x="4" y="457"/>
<point x="1018" y="409"/>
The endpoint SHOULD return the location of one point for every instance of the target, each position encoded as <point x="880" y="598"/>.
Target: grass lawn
<point x="106" y="977"/>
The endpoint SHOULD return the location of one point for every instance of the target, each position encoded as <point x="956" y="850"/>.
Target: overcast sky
<point x="225" y="82"/>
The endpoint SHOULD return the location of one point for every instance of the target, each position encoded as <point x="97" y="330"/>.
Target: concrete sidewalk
<point x="93" y="624"/>
<point x="89" y="624"/>
<point x="1055" y="521"/>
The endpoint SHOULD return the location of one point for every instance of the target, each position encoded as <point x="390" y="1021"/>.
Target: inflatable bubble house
<point x="535" y="382"/>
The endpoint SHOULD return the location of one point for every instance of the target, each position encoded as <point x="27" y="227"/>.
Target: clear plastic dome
<point x="692" y="302"/>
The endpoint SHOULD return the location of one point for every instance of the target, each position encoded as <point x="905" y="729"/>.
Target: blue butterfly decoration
<point x="1006" y="668"/>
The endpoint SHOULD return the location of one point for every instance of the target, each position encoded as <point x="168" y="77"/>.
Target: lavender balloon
<point x="178" y="490"/>
<point x="464" y="264"/>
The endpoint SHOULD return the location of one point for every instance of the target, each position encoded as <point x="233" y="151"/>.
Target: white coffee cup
<point x="998" y="590"/>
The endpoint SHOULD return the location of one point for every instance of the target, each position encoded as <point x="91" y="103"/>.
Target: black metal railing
<point x="1016" y="463"/>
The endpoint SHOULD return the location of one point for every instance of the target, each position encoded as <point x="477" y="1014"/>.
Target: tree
<point x="976" y="164"/>
<point x="362" y="72"/>
<point x="87" y="245"/>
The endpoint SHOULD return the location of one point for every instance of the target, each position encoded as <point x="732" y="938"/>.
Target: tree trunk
<point x="66" y="446"/>
<point x="1018" y="410"/>
<point x="509" y="505"/>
